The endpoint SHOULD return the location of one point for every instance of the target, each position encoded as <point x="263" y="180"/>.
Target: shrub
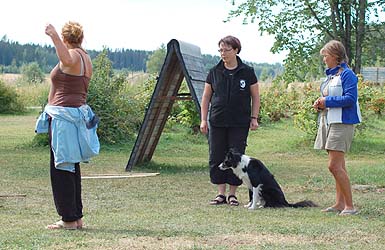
<point x="10" y="101"/>
<point x="40" y="140"/>
<point x="32" y="73"/>
<point x="275" y="104"/>
<point x="119" y="109"/>
<point x="306" y="117"/>
<point x="371" y="99"/>
<point x="33" y="94"/>
<point x="184" y="112"/>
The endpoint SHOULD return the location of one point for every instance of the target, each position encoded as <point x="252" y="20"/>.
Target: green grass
<point x="171" y="211"/>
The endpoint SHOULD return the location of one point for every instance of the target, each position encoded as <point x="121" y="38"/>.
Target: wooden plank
<point x="106" y="176"/>
<point x="12" y="195"/>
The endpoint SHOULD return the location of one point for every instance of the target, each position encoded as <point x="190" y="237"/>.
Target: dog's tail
<point x="305" y="203"/>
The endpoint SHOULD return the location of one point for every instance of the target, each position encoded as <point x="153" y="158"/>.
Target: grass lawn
<point x="171" y="211"/>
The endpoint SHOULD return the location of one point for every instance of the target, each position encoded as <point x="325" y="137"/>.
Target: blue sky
<point x="136" y="24"/>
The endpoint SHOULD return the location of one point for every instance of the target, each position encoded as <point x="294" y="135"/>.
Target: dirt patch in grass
<point x="237" y="241"/>
<point x="233" y="242"/>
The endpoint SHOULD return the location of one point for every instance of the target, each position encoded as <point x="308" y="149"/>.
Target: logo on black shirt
<point x="242" y="84"/>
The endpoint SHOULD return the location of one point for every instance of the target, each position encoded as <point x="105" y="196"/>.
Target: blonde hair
<point x="336" y="49"/>
<point x="72" y="33"/>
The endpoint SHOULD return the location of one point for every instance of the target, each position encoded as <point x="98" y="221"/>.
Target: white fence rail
<point x="374" y="74"/>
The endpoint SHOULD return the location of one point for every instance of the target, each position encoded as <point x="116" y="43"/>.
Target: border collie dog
<point x="264" y="191"/>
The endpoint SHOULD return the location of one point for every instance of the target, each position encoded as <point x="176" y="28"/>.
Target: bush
<point x="371" y="99"/>
<point x="33" y="94"/>
<point x="40" y="140"/>
<point x="306" y="117"/>
<point x="120" y="110"/>
<point x="32" y="73"/>
<point x="277" y="103"/>
<point x="10" y="101"/>
<point x="185" y="113"/>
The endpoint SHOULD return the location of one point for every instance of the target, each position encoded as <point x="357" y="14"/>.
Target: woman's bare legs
<point x="344" y="200"/>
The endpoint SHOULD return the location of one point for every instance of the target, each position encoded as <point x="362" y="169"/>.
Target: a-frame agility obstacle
<point x="183" y="61"/>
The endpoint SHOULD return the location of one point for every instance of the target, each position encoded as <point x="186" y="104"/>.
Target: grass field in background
<point x="171" y="211"/>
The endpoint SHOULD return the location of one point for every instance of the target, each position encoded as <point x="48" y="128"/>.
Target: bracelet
<point x="253" y="117"/>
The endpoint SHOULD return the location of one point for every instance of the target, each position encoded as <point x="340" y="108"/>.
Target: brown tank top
<point x="68" y="90"/>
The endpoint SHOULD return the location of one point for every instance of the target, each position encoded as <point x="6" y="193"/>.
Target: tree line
<point x="14" y="55"/>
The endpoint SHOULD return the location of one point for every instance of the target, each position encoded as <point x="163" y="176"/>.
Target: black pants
<point x="66" y="189"/>
<point x="220" y="141"/>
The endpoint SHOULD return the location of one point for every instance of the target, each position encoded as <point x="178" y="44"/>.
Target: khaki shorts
<point x="336" y="137"/>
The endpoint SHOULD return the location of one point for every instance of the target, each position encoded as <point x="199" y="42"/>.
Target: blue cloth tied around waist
<point x="73" y="134"/>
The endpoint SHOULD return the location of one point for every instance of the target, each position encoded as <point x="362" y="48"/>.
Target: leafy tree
<point x="32" y="73"/>
<point x="156" y="60"/>
<point x="264" y="74"/>
<point x="374" y="51"/>
<point x="210" y="61"/>
<point x="301" y="27"/>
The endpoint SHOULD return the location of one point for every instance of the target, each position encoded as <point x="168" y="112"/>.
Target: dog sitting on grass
<point x="264" y="190"/>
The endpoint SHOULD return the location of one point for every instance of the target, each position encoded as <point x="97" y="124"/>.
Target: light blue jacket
<point x="74" y="137"/>
<point x="342" y="100"/>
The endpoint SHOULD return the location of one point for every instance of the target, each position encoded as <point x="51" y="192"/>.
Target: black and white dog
<point x="264" y="191"/>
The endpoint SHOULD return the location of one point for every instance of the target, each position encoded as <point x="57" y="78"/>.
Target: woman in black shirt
<point x="232" y="92"/>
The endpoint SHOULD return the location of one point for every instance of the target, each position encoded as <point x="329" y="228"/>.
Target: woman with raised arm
<point x="70" y="122"/>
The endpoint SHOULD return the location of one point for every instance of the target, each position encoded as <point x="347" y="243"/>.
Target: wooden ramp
<point x="183" y="61"/>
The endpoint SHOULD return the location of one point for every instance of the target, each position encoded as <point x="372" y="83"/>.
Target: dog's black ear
<point x="232" y="151"/>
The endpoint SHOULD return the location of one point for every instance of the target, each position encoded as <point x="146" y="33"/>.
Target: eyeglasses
<point x="224" y="50"/>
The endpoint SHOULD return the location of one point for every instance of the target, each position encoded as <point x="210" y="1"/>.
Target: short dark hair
<point x="231" y="41"/>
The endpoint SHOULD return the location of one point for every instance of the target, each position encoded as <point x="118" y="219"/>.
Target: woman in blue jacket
<point x="339" y="111"/>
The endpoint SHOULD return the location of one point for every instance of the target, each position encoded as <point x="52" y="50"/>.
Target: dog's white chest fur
<point x="257" y="201"/>
<point x="240" y="173"/>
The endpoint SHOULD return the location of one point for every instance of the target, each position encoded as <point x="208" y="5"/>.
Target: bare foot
<point x="79" y="223"/>
<point x="63" y="225"/>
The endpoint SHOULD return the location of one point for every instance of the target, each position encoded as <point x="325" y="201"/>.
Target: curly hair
<point x="72" y="33"/>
